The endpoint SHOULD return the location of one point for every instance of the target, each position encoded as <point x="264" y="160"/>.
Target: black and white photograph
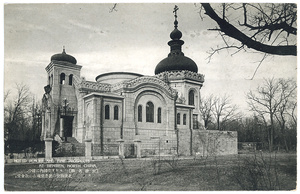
<point x="149" y="96"/>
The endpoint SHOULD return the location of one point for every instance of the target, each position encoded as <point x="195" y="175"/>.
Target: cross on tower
<point x="175" y="11"/>
<point x="175" y="15"/>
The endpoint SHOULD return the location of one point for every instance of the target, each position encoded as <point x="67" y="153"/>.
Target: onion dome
<point x="175" y="34"/>
<point x="176" y="61"/>
<point x="64" y="57"/>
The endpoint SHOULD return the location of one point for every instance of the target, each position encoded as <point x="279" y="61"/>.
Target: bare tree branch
<point x="231" y="31"/>
<point x="6" y="94"/>
<point x="260" y="62"/>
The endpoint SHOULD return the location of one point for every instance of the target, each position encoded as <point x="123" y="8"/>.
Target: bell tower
<point x="59" y="100"/>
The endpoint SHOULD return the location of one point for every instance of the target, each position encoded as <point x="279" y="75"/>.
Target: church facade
<point x="160" y="111"/>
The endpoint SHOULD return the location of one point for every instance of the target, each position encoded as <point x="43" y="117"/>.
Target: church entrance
<point x="68" y="126"/>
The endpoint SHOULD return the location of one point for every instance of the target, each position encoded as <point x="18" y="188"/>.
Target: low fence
<point x="250" y="146"/>
<point x="24" y="155"/>
<point x="59" y="159"/>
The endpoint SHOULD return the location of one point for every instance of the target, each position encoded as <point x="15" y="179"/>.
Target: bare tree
<point x="36" y="119"/>
<point x="224" y="111"/>
<point x="269" y="100"/>
<point x="16" y="111"/>
<point x="293" y="112"/>
<point x="206" y="109"/>
<point x="268" y="28"/>
<point x="288" y="93"/>
<point x="218" y="110"/>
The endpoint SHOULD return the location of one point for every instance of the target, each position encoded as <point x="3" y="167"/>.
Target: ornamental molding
<point x="132" y="84"/>
<point x="62" y="64"/>
<point x="178" y="75"/>
<point x="81" y="83"/>
<point x="118" y="86"/>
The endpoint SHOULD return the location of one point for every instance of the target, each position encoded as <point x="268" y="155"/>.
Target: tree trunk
<point x="218" y="123"/>
<point x="205" y="123"/>
<point x="271" y="133"/>
<point x="269" y="138"/>
<point x="284" y="137"/>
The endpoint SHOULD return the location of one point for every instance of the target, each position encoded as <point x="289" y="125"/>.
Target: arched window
<point x="106" y="111"/>
<point x="149" y="112"/>
<point x="159" y="115"/>
<point x="62" y="78"/>
<point x="51" y="80"/>
<point x="184" y="119"/>
<point x="178" y="118"/>
<point x="140" y="113"/>
<point x="116" y="113"/>
<point x="191" y="97"/>
<point x="70" y="79"/>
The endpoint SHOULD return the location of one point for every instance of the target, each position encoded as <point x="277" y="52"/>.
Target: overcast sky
<point x="133" y="39"/>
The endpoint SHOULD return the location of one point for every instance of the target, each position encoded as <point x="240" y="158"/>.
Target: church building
<point x="161" y="112"/>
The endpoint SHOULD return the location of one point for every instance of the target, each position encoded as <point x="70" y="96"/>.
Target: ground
<point x="260" y="171"/>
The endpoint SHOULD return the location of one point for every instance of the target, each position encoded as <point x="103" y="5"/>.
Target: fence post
<point x="121" y="148"/>
<point x="138" y="148"/>
<point x="88" y="148"/>
<point x="48" y="148"/>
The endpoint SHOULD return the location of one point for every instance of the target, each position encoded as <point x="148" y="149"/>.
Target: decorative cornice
<point x="96" y="86"/>
<point x="81" y="83"/>
<point x="179" y="75"/>
<point x="132" y="84"/>
<point x="118" y="86"/>
<point x="111" y="95"/>
<point x="62" y="64"/>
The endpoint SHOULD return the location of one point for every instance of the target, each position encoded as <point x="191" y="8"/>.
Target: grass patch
<point x="202" y="174"/>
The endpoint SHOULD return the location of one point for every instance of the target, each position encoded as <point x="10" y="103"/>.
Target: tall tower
<point x="59" y="101"/>
<point x="182" y="74"/>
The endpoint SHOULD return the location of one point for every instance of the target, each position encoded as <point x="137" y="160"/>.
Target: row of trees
<point x="274" y="121"/>
<point x="271" y="29"/>
<point x="273" y="106"/>
<point x="22" y="118"/>
<point x="218" y="112"/>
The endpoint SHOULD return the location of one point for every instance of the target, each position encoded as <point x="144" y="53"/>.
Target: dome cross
<point x="175" y="15"/>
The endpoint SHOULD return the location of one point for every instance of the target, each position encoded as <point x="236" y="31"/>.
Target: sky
<point x="133" y="38"/>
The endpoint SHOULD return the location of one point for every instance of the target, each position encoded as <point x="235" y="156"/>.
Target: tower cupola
<point x="176" y="60"/>
<point x="64" y="57"/>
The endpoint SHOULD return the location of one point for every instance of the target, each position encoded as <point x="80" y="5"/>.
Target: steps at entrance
<point x="71" y="147"/>
<point x="72" y="140"/>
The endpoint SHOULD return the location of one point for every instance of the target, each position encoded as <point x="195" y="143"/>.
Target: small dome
<point x="116" y="77"/>
<point x="64" y="57"/>
<point x="176" y="63"/>
<point x="175" y="34"/>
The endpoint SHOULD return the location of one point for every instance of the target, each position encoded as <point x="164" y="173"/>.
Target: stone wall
<point x="213" y="142"/>
<point x="184" y="131"/>
<point x="109" y="149"/>
<point x="80" y="131"/>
